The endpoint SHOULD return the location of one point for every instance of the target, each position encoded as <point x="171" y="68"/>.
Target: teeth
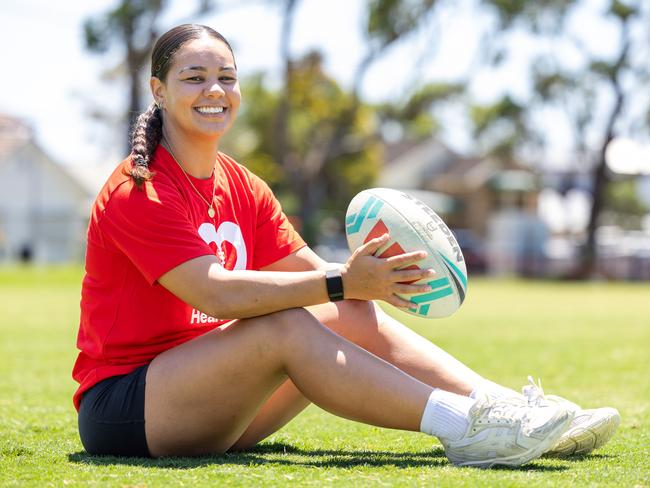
<point x="210" y="110"/>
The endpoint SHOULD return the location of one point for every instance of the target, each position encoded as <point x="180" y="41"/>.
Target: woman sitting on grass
<point x="207" y="323"/>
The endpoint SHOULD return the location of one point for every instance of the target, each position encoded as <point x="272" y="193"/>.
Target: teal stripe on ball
<point x="356" y="226"/>
<point x="434" y="295"/>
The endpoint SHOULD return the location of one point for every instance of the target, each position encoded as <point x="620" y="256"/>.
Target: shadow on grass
<point x="585" y="457"/>
<point x="278" y="453"/>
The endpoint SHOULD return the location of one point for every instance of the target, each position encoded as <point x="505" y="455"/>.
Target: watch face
<point x="334" y="283"/>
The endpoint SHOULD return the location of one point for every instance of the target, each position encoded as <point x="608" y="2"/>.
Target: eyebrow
<point x="203" y="68"/>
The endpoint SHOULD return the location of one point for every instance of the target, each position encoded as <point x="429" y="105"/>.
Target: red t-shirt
<point x="137" y="235"/>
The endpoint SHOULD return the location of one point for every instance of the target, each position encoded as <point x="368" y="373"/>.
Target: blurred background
<point x="525" y="125"/>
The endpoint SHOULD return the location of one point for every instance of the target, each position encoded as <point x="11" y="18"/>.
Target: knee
<point x="285" y="323"/>
<point x="358" y="310"/>
<point x="289" y="317"/>
<point x="276" y="332"/>
<point x="357" y="320"/>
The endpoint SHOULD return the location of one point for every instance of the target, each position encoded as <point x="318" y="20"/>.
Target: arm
<point x="303" y="259"/>
<point x="205" y="285"/>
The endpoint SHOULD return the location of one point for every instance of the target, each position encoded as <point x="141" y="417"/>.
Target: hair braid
<point x="146" y="136"/>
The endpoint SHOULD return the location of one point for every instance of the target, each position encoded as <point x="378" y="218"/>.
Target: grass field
<point x="588" y="342"/>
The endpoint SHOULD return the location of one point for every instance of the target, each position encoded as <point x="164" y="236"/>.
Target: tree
<point x="304" y="148"/>
<point x="316" y="105"/>
<point x="597" y="96"/>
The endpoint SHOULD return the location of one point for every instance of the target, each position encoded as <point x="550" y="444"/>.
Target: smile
<point x="210" y="110"/>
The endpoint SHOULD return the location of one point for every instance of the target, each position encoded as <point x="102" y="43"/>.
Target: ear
<point x="157" y="90"/>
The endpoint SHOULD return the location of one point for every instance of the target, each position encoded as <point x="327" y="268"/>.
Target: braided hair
<point x="146" y="136"/>
<point x="147" y="131"/>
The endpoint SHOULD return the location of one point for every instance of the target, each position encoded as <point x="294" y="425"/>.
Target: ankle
<point x="492" y="390"/>
<point x="446" y="415"/>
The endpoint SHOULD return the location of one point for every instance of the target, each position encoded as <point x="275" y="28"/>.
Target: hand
<point x="366" y="277"/>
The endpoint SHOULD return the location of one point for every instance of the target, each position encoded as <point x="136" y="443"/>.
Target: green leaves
<point x="484" y="116"/>
<point x="538" y="15"/>
<point x="318" y="105"/>
<point x="96" y="35"/>
<point x="550" y="86"/>
<point x="622" y="10"/>
<point x="389" y="20"/>
<point x="122" y="24"/>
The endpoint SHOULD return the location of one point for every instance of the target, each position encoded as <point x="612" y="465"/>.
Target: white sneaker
<point x="589" y="429"/>
<point x="507" y="431"/>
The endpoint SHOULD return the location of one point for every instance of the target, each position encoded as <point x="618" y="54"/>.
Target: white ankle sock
<point x="492" y="390"/>
<point x="445" y="415"/>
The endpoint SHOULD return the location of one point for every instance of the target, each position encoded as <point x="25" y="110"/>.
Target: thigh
<point x="200" y="396"/>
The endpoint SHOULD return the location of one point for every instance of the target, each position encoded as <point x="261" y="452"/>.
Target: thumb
<point x="372" y="245"/>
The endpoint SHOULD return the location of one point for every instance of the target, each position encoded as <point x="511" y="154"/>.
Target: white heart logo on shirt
<point x="227" y="232"/>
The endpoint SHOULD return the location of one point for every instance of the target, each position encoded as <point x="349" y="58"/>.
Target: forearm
<point x="296" y="281"/>
<point x="241" y="294"/>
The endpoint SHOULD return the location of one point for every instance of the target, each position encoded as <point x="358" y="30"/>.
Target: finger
<point x="406" y="289"/>
<point x="372" y="245"/>
<point x="400" y="302"/>
<point x="402" y="260"/>
<point x="410" y="275"/>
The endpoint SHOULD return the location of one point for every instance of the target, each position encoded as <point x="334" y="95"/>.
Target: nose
<point x="214" y="89"/>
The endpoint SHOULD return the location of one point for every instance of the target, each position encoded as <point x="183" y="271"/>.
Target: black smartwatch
<point x="334" y="282"/>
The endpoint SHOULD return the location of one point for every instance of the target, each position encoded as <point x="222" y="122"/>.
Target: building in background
<point x="491" y="206"/>
<point x="44" y="208"/>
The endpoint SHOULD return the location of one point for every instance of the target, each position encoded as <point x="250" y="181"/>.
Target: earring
<point x="159" y="105"/>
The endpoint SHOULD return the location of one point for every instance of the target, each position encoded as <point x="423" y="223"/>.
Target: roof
<point x="16" y="138"/>
<point x="430" y="165"/>
<point x="416" y="164"/>
<point x="14" y="133"/>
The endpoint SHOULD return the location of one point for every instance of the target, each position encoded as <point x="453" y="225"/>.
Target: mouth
<point x="211" y="110"/>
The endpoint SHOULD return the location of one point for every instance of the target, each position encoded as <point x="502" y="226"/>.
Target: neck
<point x="195" y="155"/>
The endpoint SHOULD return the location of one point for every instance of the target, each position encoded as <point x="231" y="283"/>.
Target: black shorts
<point x="111" y="416"/>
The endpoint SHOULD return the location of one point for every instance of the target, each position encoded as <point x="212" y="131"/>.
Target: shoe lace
<point x="533" y="392"/>
<point x="500" y="412"/>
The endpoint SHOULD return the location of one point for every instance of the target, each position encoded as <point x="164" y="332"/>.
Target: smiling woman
<point x="207" y="323"/>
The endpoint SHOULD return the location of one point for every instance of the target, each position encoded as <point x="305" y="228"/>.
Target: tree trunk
<point x="589" y="260"/>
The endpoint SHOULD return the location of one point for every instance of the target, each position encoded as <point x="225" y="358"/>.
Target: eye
<point x="228" y="79"/>
<point x="194" y="78"/>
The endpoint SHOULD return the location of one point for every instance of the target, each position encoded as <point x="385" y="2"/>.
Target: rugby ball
<point x="412" y="226"/>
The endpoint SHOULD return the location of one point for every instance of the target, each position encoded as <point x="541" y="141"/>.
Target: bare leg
<point x="368" y="326"/>
<point x="202" y="395"/>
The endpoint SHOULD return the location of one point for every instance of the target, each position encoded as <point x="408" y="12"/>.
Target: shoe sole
<point x="586" y="439"/>
<point x="523" y="458"/>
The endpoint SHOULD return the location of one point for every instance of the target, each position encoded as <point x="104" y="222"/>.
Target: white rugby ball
<point x="412" y="226"/>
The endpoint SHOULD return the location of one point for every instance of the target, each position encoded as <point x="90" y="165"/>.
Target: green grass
<point x="589" y="342"/>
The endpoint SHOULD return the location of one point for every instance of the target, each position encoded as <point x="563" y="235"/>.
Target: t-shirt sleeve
<point x="152" y="228"/>
<point x="275" y="237"/>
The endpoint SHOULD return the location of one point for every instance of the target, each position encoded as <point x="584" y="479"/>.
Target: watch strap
<point x="334" y="282"/>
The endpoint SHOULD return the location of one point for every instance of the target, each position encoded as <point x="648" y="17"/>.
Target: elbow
<point x="224" y="300"/>
<point x="219" y="308"/>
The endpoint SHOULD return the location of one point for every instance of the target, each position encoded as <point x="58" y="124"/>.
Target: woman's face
<point x="200" y="95"/>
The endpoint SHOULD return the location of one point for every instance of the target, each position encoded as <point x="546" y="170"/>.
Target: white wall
<point x="41" y="206"/>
